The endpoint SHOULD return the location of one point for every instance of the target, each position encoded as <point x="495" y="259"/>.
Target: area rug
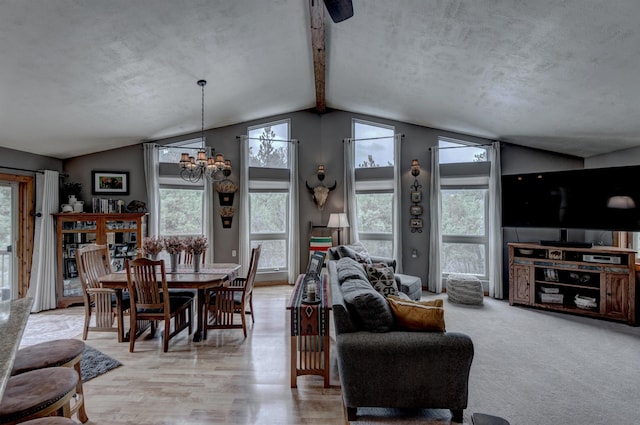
<point x="95" y="363"/>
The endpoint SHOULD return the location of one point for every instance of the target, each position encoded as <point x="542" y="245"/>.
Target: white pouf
<point x="464" y="289"/>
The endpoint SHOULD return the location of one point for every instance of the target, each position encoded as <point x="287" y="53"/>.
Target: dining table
<point x="213" y="275"/>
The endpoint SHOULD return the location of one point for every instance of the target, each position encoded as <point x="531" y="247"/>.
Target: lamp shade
<point x="617" y="202"/>
<point x="338" y="220"/>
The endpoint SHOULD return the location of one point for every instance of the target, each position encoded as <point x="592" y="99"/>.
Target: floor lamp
<point x="338" y="221"/>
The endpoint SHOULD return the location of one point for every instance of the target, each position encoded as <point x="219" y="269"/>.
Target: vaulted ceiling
<point x="81" y="76"/>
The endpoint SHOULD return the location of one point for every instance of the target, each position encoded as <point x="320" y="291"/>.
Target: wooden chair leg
<point x="82" y="413"/>
<point x="133" y="330"/>
<point x="87" y="320"/>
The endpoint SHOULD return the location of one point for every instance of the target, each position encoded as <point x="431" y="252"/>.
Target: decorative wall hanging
<point x="320" y="192"/>
<point x="416" y="210"/>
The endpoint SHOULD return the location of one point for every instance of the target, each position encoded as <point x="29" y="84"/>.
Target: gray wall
<point x="320" y="137"/>
<point x="28" y="161"/>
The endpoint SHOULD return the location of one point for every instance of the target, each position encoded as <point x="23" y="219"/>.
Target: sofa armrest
<point x="405" y="369"/>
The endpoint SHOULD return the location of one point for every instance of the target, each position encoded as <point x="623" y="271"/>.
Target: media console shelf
<point x="597" y="282"/>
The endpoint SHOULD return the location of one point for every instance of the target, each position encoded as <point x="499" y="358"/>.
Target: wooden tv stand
<point x="550" y="277"/>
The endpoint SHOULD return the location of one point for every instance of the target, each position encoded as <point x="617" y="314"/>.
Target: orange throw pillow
<point x="418" y="315"/>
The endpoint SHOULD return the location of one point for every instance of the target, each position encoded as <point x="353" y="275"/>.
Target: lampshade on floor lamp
<point x="338" y="221"/>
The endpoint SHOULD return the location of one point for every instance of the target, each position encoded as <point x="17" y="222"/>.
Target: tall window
<point x="269" y="195"/>
<point x="374" y="160"/>
<point x="181" y="203"/>
<point x="465" y="209"/>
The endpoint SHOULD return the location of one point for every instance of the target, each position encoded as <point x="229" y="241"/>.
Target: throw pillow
<point x="382" y="279"/>
<point x="359" y="256"/>
<point x="370" y="308"/>
<point x="349" y="268"/>
<point x="418" y="315"/>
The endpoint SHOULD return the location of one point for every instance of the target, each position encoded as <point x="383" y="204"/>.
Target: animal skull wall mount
<point x="320" y="192"/>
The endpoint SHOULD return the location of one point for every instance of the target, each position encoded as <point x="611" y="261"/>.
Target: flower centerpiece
<point x="196" y="246"/>
<point x="174" y="246"/>
<point x="151" y="246"/>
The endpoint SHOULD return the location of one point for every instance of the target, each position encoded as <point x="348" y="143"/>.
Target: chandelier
<point x="194" y="169"/>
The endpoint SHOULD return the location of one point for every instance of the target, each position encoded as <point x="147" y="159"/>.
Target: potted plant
<point x="226" y="213"/>
<point x="226" y="190"/>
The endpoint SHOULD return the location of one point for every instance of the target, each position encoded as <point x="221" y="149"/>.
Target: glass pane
<point x="268" y="212"/>
<point x="273" y="254"/>
<point x="460" y="153"/>
<point x="377" y="152"/>
<point x="181" y="211"/>
<point x="374" y="212"/>
<point x="171" y="154"/>
<point x="6" y="236"/>
<point x="463" y="258"/>
<point x="463" y="212"/>
<point x="266" y="148"/>
<point x="378" y="247"/>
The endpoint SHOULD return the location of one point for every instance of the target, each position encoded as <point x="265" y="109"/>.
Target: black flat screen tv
<point x="598" y="199"/>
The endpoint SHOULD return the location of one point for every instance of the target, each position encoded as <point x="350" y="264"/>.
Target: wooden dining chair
<point x="224" y="303"/>
<point x="93" y="262"/>
<point x="150" y="300"/>
<point x="187" y="257"/>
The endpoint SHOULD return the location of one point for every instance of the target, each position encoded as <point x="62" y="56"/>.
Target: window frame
<point x="262" y="179"/>
<point x="469" y="183"/>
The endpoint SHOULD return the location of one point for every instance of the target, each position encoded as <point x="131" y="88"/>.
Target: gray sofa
<point x="392" y="367"/>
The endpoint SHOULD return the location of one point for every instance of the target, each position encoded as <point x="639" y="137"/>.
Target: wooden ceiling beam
<point x="316" y="9"/>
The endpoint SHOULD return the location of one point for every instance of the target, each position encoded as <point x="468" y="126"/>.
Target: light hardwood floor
<point x="224" y="380"/>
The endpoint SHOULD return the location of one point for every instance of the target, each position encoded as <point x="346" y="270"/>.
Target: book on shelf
<point x="107" y="205"/>
<point x="550" y="290"/>
<point x="551" y="298"/>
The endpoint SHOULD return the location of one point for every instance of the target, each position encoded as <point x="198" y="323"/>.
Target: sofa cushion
<point x="357" y="252"/>
<point x="370" y="308"/>
<point x="381" y="278"/>
<point x="418" y="315"/>
<point x="348" y="268"/>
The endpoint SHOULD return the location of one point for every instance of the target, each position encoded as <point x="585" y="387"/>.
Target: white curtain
<point x="208" y="211"/>
<point x="294" y="220"/>
<point x="243" y="205"/>
<point x="397" y="202"/>
<point x="495" y="224"/>
<point x="435" y="237"/>
<point x="151" y="173"/>
<point x="350" y="188"/>
<point x="42" y="287"/>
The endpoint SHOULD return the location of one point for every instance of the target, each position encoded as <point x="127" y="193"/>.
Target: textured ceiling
<point x="81" y="76"/>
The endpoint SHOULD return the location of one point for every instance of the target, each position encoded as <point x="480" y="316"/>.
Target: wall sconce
<point x="415" y="168"/>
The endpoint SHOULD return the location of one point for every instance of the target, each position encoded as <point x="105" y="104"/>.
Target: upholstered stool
<point x="410" y="285"/>
<point x="60" y="352"/>
<point x="464" y="289"/>
<point x="51" y="420"/>
<point x="38" y="393"/>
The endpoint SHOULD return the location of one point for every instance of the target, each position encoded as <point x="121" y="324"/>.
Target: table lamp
<point x="338" y="221"/>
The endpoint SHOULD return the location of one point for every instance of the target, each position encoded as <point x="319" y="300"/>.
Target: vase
<point x="174" y="263"/>
<point x="196" y="262"/>
<point x="153" y="256"/>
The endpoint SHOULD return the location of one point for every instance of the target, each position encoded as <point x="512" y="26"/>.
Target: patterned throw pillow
<point x="382" y="279"/>
<point x="418" y="315"/>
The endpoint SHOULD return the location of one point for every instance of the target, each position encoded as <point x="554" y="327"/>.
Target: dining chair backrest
<point x="147" y="284"/>
<point x="93" y="262"/>
<point x="187" y="257"/>
<point x="253" y="268"/>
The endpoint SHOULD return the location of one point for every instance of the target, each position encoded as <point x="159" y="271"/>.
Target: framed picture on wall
<point x="416" y="196"/>
<point x="416" y="209"/>
<point x="110" y="182"/>
<point x="416" y="223"/>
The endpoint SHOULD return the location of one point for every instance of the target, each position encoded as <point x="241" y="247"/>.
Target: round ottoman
<point x="56" y="353"/>
<point x="38" y="393"/>
<point x="464" y="289"/>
